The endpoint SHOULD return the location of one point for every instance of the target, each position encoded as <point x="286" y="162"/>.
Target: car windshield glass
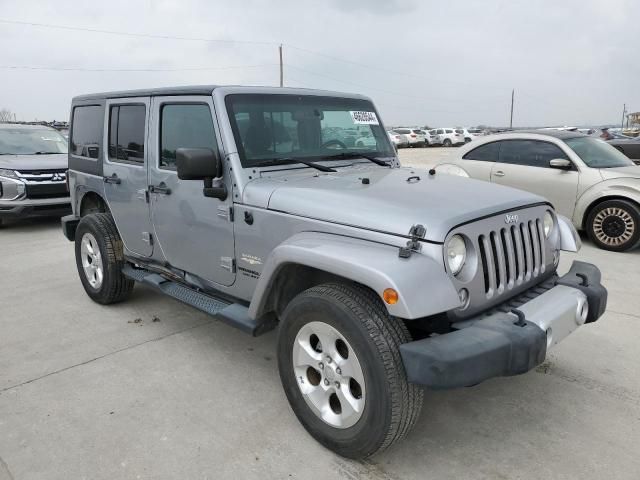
<point x="29" y="141"/>
<point x="272" y="127"/>
<point x="597" y="153"/>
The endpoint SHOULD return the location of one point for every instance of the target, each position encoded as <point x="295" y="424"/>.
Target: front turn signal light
<point x="390" y="296"/>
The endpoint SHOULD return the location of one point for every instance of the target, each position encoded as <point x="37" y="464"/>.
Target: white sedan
<point x="585" y="178"/>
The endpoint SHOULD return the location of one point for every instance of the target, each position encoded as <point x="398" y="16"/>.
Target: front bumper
<point x="503" y="343"/>
<point x="41" y="207"/>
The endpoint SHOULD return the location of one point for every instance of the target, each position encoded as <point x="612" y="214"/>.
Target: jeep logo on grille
<point x="511" y="218"/>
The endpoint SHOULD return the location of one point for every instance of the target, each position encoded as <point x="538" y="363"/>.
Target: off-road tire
<point x="446" y="143"/>
<point x="621" y="211"/>
<point x="115" y="286"/>
<point x="392" y="405"/>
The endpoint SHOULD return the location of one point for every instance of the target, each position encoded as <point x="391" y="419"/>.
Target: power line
<point x="230" y="41"/>
<point x="137" y="35"/>
<point x="82" y="69"/>
<point x="382" y="69"/>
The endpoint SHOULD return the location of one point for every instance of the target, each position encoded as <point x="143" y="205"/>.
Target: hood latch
<point x="416" y="232"/>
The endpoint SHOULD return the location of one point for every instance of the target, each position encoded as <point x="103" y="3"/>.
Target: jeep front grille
<point x="511" y="256"/>
<point x="507" y="254"/>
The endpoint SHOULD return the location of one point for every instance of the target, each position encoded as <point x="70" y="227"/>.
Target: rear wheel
<point x="447" y="142"/>
<point x="614" y="225"/>
<point x="340" y="366"/>
<point x="100" y="258"/>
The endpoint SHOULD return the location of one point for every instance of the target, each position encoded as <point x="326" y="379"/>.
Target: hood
<point x="392" y="202"/>
<point x="632" y="171"/>
<point x="34" y="162"/>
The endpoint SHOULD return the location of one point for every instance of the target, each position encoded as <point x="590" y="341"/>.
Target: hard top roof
<point x="207" y="90"/>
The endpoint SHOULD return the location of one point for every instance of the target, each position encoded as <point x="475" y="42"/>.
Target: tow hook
<point x="521" y="321"/>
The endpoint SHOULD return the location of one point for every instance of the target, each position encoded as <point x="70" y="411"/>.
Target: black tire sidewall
<point x="631" y="209"/>
<point x="88" y="224"/>
<point x="369" y="432"/>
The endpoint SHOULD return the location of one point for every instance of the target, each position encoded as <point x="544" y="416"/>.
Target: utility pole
<point x="624" y="110"/>
<point x="511" y="120"/>
<point x="281" y="67"/>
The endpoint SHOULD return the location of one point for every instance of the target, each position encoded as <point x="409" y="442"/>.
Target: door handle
<point x="499" y="173"/>
<point x="162" y="189"/>
<point x="113" y="179"/>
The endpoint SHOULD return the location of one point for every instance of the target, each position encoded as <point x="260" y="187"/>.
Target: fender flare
<point x="423" y="286"/>
<point x="616" y="188"/>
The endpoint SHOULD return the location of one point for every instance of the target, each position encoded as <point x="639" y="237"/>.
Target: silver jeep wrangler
<point x="283" y="207"/>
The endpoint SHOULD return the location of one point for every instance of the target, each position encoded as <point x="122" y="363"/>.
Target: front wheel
<point x="340" y="366"/>
<point x="447" y="143"/>
<point x="614" y="225"/>
<point x="99" y="259"/>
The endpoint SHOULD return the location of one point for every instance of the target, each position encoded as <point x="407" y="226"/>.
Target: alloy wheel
<point x="329" y="374"/>
<point x="92" y="260"/>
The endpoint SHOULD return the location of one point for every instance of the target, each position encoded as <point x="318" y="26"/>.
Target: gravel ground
<point x="152" y="389"/>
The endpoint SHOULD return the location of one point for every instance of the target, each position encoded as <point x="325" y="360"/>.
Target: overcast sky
<point x="424" y="62"/>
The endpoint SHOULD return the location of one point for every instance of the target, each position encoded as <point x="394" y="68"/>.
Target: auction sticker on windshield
<point x="364" y="118"/>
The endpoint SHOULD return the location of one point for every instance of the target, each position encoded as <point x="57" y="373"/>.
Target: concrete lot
<point x="153" y="389"/>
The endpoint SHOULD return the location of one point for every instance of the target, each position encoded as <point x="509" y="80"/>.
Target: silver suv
<point x="33" y="172"/>
<point x="248" y="204"/>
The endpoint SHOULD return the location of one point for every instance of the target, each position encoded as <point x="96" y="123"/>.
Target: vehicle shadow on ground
<point x="30" y="225"/>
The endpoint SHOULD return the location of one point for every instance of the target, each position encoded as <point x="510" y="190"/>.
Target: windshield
<point x="597" y="153"/>
<point x="28" y="141"/>
<point x="272" y="128"/>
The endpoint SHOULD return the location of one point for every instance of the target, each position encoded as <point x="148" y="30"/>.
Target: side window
<point x="440" y="131"/>
<point x="86" y="131"/>
<point x="486" y="153"/>
<point x="127" y="133"/>
<point x="532" y="153"/>
<point x="184" y="126"/>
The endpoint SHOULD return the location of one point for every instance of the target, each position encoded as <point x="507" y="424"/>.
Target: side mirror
<point x="202" y="164"/>
<point x="561" y="164"/>
<point x="198" y="164"/>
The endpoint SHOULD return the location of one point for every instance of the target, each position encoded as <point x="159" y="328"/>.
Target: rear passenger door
<point x="125" y="171"/>
<point x="524" y="164"/>
<point x="194" y="232"/>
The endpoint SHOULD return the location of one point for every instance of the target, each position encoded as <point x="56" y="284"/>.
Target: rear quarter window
<point x="488" y="152"/>
<point x="86" y="131"/>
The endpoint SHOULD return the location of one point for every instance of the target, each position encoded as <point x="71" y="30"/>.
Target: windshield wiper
<point x="47" y="153"/>
<point x="348" y="155"/>
<point x="277" y="161"/>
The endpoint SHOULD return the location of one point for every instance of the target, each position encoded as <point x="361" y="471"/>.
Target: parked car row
<point x="436" y="137"/>
<point x="630" y="146"/>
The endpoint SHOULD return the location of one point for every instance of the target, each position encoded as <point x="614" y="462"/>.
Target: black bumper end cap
<point x="489" y="348"/>
<point x="586" y="278"/>
<point x="69" y="225"/>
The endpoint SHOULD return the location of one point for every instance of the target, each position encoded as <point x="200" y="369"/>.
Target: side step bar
<point x="234" y="314"/>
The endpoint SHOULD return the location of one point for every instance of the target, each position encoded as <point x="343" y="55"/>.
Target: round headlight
<point x="547" y="223"/>
<point x="456" y="254"/>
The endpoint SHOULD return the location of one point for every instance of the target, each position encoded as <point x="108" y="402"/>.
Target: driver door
<point x="194" y="232"/>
